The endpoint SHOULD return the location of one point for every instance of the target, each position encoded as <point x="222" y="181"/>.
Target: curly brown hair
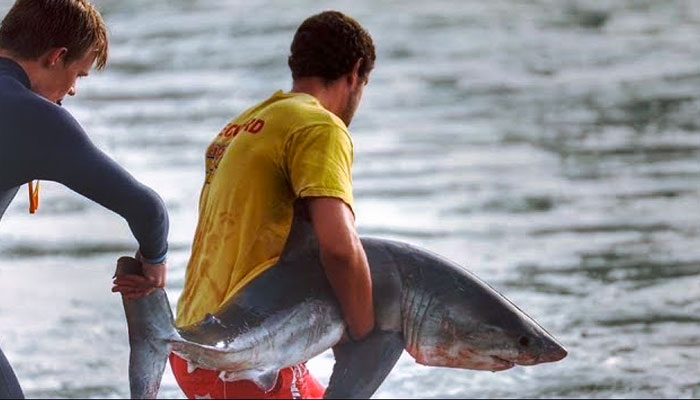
<point x="327" y="45"/>
<point x="32" y="27"/>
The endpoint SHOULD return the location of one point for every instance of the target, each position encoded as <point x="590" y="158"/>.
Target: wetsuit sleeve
<point x="9" y="386"/>
<point x="69" y="157"/>
<point x="319" y="163"/>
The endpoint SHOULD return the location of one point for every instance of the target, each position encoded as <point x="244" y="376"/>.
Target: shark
<point x="434" y="309"/>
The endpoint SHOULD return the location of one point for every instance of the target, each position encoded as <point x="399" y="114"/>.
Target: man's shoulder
<point x="27" y="114"/>
<point x="18" y="100"/>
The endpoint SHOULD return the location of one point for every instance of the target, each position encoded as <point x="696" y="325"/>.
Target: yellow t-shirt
<point x="286" y="147"/>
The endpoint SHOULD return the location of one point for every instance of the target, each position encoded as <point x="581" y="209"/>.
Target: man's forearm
<point x="344" y="262"/>
<point x="351" y="281"/>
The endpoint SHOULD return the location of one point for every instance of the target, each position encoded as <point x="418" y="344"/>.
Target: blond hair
<point x="33" y="27"/>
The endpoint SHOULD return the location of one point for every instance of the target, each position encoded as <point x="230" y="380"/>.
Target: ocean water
<point x="552" y="147"/>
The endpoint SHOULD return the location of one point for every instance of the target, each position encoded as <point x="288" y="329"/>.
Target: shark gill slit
<point x="407" y="305"/>
<point x="423" y="314"/>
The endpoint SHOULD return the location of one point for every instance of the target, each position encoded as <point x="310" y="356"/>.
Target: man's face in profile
<point x="354" y="98"/>
<point x="61" y="77"/>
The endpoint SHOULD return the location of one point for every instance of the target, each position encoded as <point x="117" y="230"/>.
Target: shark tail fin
<point x="150" y="324"/>
<point x="360" y="367"/>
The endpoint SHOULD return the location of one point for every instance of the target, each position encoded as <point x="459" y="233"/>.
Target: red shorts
<point x="292" y="383"/>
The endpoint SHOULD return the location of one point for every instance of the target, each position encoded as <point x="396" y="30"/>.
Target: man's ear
<point x="52" y="57"/>
<point x="354" y="75"/>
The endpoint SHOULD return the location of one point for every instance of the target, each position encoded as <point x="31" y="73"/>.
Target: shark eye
<point x="524" y="341"/>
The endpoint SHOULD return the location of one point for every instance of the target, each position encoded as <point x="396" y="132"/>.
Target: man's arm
<point x="69" y="157"/>
<point x="344" y="262"/>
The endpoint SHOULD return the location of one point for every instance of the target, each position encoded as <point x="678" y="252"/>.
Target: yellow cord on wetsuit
<point x="33" y="197"/>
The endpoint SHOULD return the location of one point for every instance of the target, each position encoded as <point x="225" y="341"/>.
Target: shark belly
<point x="284" y="339"/>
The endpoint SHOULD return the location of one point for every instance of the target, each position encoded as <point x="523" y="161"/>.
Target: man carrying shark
<point x="278" y="274"/>
<point x="292" y="145"/>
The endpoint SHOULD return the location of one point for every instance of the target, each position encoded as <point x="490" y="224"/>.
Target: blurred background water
<point x="552" y="147"/>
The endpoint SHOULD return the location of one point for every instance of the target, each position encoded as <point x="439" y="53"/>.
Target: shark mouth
<point x="500" y="364"/>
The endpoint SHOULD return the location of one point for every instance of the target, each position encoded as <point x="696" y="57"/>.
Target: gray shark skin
<point x="440" y="313"/>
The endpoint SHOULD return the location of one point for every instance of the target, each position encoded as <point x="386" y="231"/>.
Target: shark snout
<point x="544" y="349"/>
<point x="553" y="352"/>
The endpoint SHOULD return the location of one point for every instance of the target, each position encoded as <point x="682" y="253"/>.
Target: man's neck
<point x="330" y="95"/>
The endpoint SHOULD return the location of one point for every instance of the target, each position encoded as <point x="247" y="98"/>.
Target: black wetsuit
<point x="41" y="140"/>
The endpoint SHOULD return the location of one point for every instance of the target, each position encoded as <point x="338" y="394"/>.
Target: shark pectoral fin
<point x="360" y="367"/>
